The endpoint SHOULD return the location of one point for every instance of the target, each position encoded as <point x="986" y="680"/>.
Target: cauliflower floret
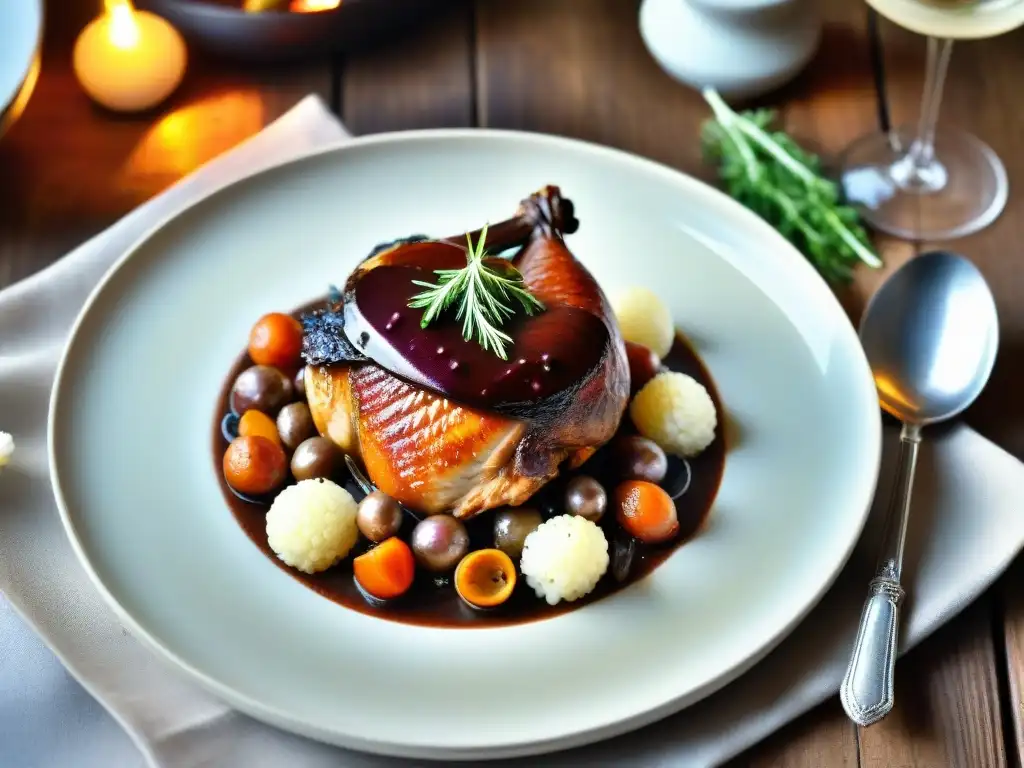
<point x="312" y="524"/>
<point x="675" y="411"/>
<point x="6" y="448"/>
<point x="564" y="558"/>
<point x="644" y="319"/>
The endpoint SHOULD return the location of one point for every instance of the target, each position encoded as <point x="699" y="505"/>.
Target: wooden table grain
<point x="578" y="68"/>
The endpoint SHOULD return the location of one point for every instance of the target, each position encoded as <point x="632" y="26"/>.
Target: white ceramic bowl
<point x="133" y="404"/>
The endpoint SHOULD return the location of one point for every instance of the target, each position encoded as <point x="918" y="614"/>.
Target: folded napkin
<point x="965" y="529"/>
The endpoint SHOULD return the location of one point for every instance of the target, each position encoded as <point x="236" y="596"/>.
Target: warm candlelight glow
<point x="129" y="60"/>
<point x="259" y="6"/>
<point x="184" y="139"/>
<point x="313" y="6"/>
<point x="890" y="391"/>
<point x="295" y="6"/>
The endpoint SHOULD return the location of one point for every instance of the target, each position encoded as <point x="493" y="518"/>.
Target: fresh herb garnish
<point x="483" y="295"/>
<point x="771" y="175"/>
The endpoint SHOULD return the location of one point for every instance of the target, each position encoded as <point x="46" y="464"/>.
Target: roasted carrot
<point x="254" y="465"/>
<point x="646" y="511"/>
<point x="258" y="424"/>
<point x="276" y="340"/>
<point x="387" y="570"/>
<point x="485" y="578"/>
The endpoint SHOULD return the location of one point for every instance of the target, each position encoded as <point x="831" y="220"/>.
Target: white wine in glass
<point x="932" y="182"/>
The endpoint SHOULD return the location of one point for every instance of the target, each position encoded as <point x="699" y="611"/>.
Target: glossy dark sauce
<point x="553" y="350"/>
<point x="432" y="601"/>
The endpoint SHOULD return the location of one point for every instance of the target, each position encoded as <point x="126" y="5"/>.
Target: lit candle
<point x="129" y="60"/>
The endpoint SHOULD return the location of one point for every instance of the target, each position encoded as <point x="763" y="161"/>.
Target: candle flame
<point x="123" y="28"/>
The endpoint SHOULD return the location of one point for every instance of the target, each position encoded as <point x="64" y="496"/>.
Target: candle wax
<point x="129" y="60"/>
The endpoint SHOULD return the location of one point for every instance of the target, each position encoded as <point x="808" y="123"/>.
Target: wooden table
<point x="579" y="68"/>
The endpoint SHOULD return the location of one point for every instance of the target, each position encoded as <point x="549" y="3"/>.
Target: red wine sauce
<point x="432" y="600"/>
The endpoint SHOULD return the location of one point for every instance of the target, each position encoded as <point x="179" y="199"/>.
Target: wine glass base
<point x="962" y="191"/>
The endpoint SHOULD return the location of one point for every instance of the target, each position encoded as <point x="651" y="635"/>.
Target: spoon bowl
<point x="931" y="334"/>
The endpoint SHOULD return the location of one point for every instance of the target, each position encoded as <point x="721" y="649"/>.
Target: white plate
<point x="21" y="31"/>
<point x="130" y="435"/>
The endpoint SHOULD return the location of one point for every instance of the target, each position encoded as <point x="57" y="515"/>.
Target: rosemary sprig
<point x="771" y="175"/>
<point x="485" y="297"/>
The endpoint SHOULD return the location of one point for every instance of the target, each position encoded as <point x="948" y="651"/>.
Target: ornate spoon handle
<point x="867" y="689"/>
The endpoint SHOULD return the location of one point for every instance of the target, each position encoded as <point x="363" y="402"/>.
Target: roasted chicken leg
<point x="441" y="425"/>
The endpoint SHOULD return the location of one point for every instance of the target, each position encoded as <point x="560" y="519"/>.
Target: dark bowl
<point x="227" y="30"/>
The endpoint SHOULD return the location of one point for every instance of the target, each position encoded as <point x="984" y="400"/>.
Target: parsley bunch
<point x="771" y="175"/>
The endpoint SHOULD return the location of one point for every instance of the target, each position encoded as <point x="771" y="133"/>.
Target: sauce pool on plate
<point x="432" y="600"/>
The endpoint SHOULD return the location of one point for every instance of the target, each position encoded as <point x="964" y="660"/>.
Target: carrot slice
<point x="258" y="424"/>
<point x="485" y="578"/>
<point x="387" y="570"/>
<point x="646" y="511"/>
<point x="254" y="465"/>
<point x="276" y="340"/>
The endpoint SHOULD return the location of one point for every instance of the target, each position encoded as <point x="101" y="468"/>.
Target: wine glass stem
<point x="939" y="52"/>
<point x="920" y="170"/>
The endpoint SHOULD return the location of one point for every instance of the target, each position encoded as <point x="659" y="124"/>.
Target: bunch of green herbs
<point x="767" y="172"/>
<point x="484" y="295"/>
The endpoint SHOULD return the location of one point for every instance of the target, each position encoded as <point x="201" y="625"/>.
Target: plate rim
<point x="509" y="749"/>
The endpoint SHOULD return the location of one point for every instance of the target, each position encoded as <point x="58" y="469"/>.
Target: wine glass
<point x="932" y="182"/>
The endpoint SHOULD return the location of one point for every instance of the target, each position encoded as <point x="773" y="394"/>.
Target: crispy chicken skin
<point x="435" y="455"/>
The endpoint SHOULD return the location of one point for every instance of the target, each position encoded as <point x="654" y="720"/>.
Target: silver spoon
<point x="930" y="334"/>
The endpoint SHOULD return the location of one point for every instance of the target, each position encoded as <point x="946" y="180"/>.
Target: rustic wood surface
<point x="69" y="169"/>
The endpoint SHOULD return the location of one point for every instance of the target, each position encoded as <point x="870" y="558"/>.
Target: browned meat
<point x="459" y="439"/>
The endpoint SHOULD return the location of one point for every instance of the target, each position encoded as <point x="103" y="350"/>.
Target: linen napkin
<point x="966" y="528"/>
